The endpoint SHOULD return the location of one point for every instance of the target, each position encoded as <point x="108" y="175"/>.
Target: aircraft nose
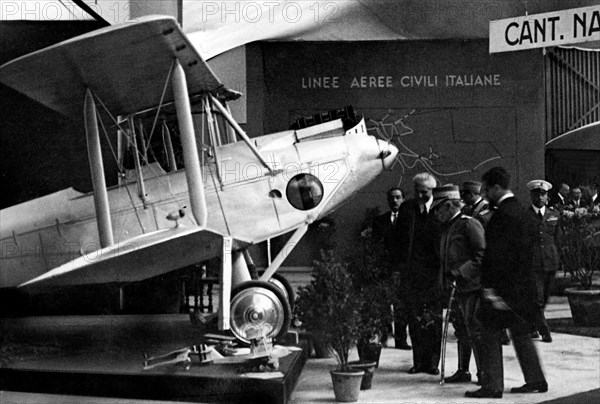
<point x="388" y="154"/>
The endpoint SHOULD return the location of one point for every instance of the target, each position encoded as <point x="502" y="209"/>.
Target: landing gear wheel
<point x="282" y="283"/>
<point x="259" y="308"/>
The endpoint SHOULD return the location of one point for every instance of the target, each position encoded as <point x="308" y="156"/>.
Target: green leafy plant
<point x="371" y="272"/>
<point x="580" y="247"/>
<point x="329" y="307"/>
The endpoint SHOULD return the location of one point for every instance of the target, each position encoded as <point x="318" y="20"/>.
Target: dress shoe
<point x="483" y="393"/>
<point x="433" y="371"/>
<point x="534" y="335"/>
<point x="415" y="369"/>
<point x="540" y="387"/>
<point x="404" y="347"/>
<point x="546" y="338"/>
<point x="461" y="376"/>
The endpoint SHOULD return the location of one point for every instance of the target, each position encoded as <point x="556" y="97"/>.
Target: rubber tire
<point x="287" y="315"/>
<point x="287" y="285"/>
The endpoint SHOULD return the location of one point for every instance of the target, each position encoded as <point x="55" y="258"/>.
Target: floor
<point x="571" y="364"/>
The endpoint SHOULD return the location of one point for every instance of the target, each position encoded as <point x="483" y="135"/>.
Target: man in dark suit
<point x="561" y="198"/>
<point x="575" y="201"/>
<point x="546" y="259"/>
<point x="509" y="292"/>
<point x="591" y="201"/>
<point x="385" y="227"/>
<point x="418" y="264"/>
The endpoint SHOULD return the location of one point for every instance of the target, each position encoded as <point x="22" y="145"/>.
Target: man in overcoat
<point x="509" y="292"/>
<point x="461" y="253"/>
<point x="418" y="265"/>
<point x="545" y="257"/>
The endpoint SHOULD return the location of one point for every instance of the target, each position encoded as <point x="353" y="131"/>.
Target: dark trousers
<point x="468" y="329"/>
<point x="466" y="324"/>
<point x="425" y="328"/>
<point x="400" y="333"/>
<point x="524" y="348"/>
<point x="543" y="283"/>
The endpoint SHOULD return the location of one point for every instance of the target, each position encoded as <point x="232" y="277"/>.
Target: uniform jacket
<point x="474" y="210"/>
<point x="506" y="267"/>
<point x="545" y="257"/>
<point x="461" y="252"/>
<point x="418" y="248"/>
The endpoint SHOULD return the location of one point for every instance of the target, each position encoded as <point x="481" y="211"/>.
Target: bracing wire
<point x="162" y="98"/>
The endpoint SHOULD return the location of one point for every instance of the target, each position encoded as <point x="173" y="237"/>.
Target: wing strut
<point x="193" y="171"/>
<point x="105" y="232"/>
<point x="285" y="251"/>
<point x="225" y="279"/>
<point x="240" y="132"/>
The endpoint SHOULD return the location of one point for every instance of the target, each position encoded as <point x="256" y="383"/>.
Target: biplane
<point x="210" y="192"/>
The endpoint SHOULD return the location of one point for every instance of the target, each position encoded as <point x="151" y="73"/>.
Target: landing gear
<point x="284" y="285"/>
<point x="259" y="310"/>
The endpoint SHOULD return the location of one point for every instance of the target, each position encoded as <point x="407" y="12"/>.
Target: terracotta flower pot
<point x="369" y="353"/>
<point x="585" y="306"/>
<point x="346" y="385"/>
<point x="368" y="368"/>
<point x="320" y="346"/>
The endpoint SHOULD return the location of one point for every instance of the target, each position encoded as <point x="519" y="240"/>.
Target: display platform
<point x="103" y="356"/>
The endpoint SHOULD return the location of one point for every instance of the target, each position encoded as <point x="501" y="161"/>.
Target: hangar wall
<point x="42" y="150"/>
<point x="464" y="110"/>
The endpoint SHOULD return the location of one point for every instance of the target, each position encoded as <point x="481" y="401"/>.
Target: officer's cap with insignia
<point x="445" y="193"/>
<point x="472" y="186"/>
<point x="539" y="185"/>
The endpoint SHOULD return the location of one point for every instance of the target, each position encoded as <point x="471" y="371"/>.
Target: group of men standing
<point x="577" y="197"/>
<point x="498" y="258"/>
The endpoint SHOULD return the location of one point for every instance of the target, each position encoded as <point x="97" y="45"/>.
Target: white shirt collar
<point x="509" y="194"/>
<point x="427" y="204"/>
<point x="537" y="210"/>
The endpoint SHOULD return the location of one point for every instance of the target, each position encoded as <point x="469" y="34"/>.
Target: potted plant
<point x="580" y="256"/>
<point x="328" y="306"/>
<point x="371" y="271"/>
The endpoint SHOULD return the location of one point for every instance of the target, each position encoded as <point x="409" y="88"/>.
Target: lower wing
<point x="137" y="259"/>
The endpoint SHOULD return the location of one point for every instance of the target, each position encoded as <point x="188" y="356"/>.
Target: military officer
<point x="546" y="260"/>
<point x="461" y="253"/>
<point x="471" y="196"/>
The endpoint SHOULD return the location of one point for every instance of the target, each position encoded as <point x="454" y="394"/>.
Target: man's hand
<point x="497" y="302"/>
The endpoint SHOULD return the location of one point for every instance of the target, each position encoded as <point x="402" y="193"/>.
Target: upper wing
<point x="138" y="258"/>
<point x="125" y="65"/>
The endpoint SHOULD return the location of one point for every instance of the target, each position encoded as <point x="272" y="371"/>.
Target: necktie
<point x="540" y="215"/>
<point x="394" y="217"/>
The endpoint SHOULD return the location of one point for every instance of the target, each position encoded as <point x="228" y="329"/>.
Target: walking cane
<point x="445" y="333"/>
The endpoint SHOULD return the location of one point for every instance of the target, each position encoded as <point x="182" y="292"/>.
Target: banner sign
<point x="548" y="29"/>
